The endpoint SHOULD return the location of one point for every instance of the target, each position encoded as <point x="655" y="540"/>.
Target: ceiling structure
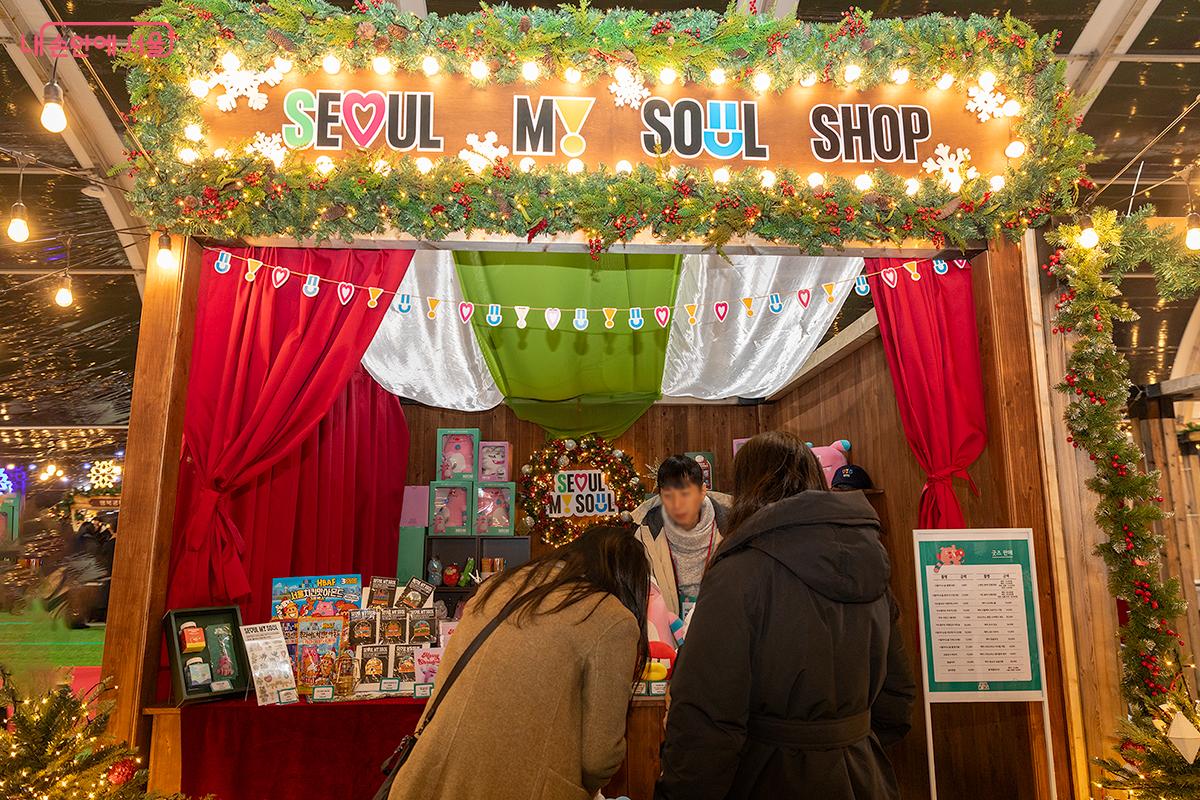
<point x="1137" y="60"/>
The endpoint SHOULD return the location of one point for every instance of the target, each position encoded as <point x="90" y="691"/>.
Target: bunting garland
<point x="634" y="317"/>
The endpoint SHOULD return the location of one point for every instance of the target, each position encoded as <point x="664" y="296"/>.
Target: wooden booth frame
<point x="844" y="392"/>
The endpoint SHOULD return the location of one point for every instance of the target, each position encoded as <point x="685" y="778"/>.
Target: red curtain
<point x="273" y="421"/>
<point x="932" y="347"/>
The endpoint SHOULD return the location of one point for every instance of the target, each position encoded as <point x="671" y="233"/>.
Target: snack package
<point x="196" y="673"/>
<point x="191" y="638"/>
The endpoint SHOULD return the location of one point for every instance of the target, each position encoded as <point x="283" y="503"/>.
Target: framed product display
<point x="451" y="507"/>
<point x="494" y="504"/>
<point x="206" y="654"/>
<point x="708" y="465"/>
<point x="495" y="462"/>
<point x="458" y="454"/>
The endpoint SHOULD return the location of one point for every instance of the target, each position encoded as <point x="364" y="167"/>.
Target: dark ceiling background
<point x="73" y="367"/>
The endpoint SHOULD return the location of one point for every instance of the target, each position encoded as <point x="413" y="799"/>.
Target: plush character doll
<point x="661" y="662"/>
<point x="832" y="457"/>
<point x="661" y="624"/>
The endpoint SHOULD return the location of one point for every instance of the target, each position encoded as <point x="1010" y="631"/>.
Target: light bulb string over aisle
<point x="279" y="276"/>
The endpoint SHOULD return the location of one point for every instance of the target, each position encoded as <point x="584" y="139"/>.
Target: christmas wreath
<point x="589" y="452"/>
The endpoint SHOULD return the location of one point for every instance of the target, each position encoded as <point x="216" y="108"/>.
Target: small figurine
<point x="434" y="571"/>
<point x="451" y="574"/>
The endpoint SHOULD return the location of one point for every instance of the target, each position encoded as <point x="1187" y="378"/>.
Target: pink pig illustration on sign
<point x="948" y="555"/>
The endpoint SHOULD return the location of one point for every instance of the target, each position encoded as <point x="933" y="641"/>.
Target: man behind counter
<point x="681" y="529"/>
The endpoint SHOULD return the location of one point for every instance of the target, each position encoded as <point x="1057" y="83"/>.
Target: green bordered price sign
<point x="980" y="628"/>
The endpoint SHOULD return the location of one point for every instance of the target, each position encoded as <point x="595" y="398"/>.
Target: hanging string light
<point x="1088" y="237"/>
<point x="165" y="257"/>
<point x="1192" y="238"/>
<point x="54" y="118"/>
<point x="63" y="297"/>
<point x="18" y="222"/>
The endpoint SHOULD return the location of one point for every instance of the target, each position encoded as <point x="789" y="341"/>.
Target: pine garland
<point x="245" y="195"/>
<point x="1097" y="381"/>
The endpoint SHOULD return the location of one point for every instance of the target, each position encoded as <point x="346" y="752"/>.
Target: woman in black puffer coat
<point x="794" y="673"/>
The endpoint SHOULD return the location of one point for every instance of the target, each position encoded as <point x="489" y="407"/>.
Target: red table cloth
<point x="238" y="750"/>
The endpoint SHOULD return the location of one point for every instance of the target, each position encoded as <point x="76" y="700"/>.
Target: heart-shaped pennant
<point x="465" y="310"/>
<point x="362" y="134"/>
<point x="804" y="296"/>
<point x="553" y="315"/>
<point x="889" y="276"/>
<point x="279" y="276"/>
<point x="721" y="309"/>
<point x="344" y="292"/>
<point x="663" y="315"/>
<point x="961" y="263"/>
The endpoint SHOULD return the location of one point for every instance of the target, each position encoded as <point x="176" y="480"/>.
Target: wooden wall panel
<point x="662" y="431"/>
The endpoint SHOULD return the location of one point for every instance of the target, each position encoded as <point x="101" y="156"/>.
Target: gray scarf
<point x="690" y="548"/>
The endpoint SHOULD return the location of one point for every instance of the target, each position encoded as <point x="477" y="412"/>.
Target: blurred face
<point x="682" y="505"/>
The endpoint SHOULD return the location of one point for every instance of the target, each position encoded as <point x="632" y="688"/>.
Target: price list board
<point x="980" y="630"/>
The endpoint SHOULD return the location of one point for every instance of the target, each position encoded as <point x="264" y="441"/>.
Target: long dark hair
<point x="768" y="468"/>
<point x="603" y="560"/>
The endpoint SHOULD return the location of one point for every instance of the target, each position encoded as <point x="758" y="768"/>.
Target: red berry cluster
<point x="786" y="188"/>
<point x="437" y="208"/>
<point x="671" y="213"/>
<point x="728" y="201"/>
<point x="1051" y="267"/>
<point x="751" y="213"/>
<point x="1128" y="538"/>
<point x="852" y="25"/>
<point x="624" y="223"/>
<point x="1166" y="628"/>
<point x="501" y="169"/>
<point x="775" y="42"/>
<point x="1142" y="591"/>
<point x="1150" y="662"/>
<point x="683" y="188"/>
<point x="540" y="226"/>
<point x="595" y="248"/>
<point x="1122" y="471"/>
<point x="660" y="27"/>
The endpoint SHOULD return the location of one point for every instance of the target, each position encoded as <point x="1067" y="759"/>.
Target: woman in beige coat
<point x="538" y="713"/>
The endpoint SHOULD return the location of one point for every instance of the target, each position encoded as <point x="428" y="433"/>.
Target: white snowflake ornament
<point x="628" y="89"/>
<point x="243" y="83"/>
<point x="484" y="151"/>
<point x="985" y="103"/>
<point x="268" y="146"/>
<point x="952" y="167"/>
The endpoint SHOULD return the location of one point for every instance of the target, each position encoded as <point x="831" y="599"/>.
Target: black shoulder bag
<point x="396" y="760"/>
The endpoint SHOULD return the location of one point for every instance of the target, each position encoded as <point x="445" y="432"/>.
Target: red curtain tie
<point x="948" y="476"/>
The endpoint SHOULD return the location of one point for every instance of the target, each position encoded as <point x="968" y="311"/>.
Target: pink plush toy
<point x="832" y="457"/>
<point x="661" y="624"/>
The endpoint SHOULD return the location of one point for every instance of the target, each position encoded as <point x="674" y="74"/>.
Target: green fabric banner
<point x="572" y="382"/>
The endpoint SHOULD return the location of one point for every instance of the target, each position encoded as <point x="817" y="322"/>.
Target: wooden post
<point x="139" y="582"/>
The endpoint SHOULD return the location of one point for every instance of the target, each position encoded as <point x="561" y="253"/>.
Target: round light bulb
<point x="430" y="65"/>
<point x="721" y="175"/>
<point x="324" y="165"/>
<point x="912" y="186"/>
<point x="572" y="75"/>
<point x="282" y="64"/>
<point x="18" y="224"/>
<point x="221" y="152"/>
<point x="230" y="62"/>
<point x="863" y="182"/>
<point x="624" y="167"/>
<point x="331" y="64"/>
<point x="479" y="70"/>
<point x="996" y="182"/>
<point x="574" y="166"/>
<point x="381" y="64"/>
<point x="717" y="76"/>
<point x="946" y="81"/>
<point x="762" y="81"/>
<point x="1192" y="239"/>
<point x="199" y="87"/>
<point x="1015" y="149"/>
<point x="527" y="164"/>
<point x="63" y="296"/>
<point x="852" y="73"/>
<point x="900" y="75"/>
<point x="1011" y="108"/>
<point x="54" y="119"/>
<point x="1088" y="238"/>
<point x="768" y="178"/>
<point x="987" y="80"/>
<point x="622" y="74"/>
<point x="530" y="71"/>
<point x="187" y="155"/>
<point x="809" y="80"/>
<point x="816" y="180"/>
<point x="193" y="132"/>
<point x="667" y="76"/>
<point x="165" y="257"/>
<point x="424" y="165"/>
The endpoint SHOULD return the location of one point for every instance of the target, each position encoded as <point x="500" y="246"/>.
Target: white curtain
<point x="436" y="362"/>
<point x="749" y="356"/>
